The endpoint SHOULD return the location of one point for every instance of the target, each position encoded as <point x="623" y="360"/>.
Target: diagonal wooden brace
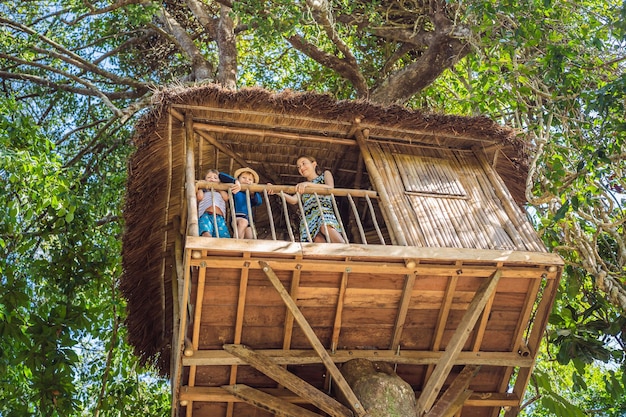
<point x="290" y="381"/>
<point x="268" y="402"/>
<point x="455" y="345"/>
<point x="340" y="381"/>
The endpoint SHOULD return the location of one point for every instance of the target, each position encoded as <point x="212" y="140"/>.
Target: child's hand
<point x="301" y="186"/>
<point x="270" y="191"/>
<point x="236" y="187"/>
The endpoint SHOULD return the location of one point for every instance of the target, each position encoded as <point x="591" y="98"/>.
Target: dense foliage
<point x="75" y="75"/>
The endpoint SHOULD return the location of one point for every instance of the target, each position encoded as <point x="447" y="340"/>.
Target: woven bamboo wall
<point x="449" y="198"/>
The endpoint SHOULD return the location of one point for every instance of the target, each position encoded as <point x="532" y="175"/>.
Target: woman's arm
<point x="291" y="199"/>
<point x="329" y="181"/>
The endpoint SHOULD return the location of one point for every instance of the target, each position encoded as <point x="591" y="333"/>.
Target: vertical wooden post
<point x="386" y="206"/>
<point x="190" y="178"/>
<point x="534" y="340"/>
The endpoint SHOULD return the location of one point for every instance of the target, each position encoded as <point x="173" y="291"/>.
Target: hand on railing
<point x="236" y="187"/>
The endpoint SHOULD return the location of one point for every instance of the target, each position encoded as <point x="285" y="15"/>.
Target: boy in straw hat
<point x="246" y="176"/>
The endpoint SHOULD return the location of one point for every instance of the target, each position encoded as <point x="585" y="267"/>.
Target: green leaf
<point x="560" y="214"/>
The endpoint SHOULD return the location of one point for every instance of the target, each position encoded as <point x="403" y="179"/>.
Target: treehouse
<point x="442" y="283"/>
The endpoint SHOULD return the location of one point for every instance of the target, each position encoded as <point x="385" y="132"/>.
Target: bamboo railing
<point x="357" y="217"/>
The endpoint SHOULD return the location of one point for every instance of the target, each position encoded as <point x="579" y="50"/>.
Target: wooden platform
<point x="307" y="308"/>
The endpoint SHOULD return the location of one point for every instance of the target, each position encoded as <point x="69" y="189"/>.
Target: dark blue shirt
<point x="239" y="199"/>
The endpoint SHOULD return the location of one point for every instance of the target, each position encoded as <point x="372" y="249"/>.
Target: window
<point x="428" y="175"/>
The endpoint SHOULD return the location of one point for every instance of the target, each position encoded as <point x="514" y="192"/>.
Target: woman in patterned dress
<point x="323" y="227"/>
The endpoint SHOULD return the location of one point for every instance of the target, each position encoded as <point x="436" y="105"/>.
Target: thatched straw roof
<point x="266" y="131"/>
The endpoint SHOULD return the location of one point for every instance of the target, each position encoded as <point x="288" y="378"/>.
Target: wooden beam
<point x="454" y="346"/>
<point x="337" y="323"/>
<point x="452" y="400"/>
<point x="180" y="334"/>
<point x="197" y="319"/>
<point x="405" y="357"/>
<point x="288" y="327"/>
<point x="190" y="178"/>
<point x="442" y="319"/>
<point x="241" y="305"/>
<point x="403" y="309"/>
<point x="268" y="402"/>
<point x="288" y="380"/>
<point x="381" y="188"/>
<point x="481" y="327"/>
<point x="531" y="298"/>
<point x="534" y="340"/>
<point x="468" y="256"/>
<point x="428" y="136"/>
<point x="219" y="395"/>
<point x="383" y="267"/>
<point x="278" y="135"/>
<point x="339" y="311"/>
<point x="340" y="381"/>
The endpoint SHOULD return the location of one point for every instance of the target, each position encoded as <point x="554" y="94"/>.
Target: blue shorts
<point x="206" y="224"/>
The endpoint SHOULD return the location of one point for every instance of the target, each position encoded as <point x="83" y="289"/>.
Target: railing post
<point x="355" y="211"/>
<point x="338" y="216"/>
<point x="190" y="178"/>
<point x="270" y="215"/>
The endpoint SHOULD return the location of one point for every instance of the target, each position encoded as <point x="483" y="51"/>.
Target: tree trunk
<point x="381" y="391"/>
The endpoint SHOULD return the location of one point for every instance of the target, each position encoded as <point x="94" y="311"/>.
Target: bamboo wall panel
<point x="444" y="198"/>
<point x="406" y="216"/>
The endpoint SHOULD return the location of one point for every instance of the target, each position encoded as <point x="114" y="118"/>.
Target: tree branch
<point x="331" y="61"/>
<point x="202" y="69"/>
<point x="321" y="11"/>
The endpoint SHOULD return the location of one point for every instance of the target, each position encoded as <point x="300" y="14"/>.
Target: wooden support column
<point x="241" y="304"/>
<point x="386" y="206"/>
<point x="534" y="340"/>
<point x="190" y="178"/>
<point x="454" y="346"/>
<point x="403" y="309"/>
<point x="340" y="381"/>
<point x="290" y="381"/>
<point x="180" y="335"/>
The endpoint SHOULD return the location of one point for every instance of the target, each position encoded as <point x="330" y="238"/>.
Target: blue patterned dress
<point x="312" y="213"/>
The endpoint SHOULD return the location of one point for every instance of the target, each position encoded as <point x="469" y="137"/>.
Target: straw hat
<point x="246" y="169"/>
